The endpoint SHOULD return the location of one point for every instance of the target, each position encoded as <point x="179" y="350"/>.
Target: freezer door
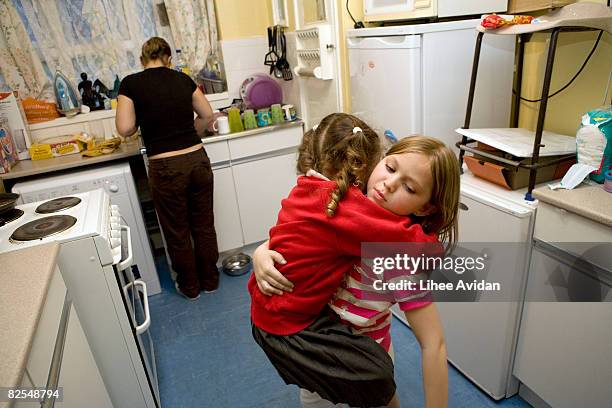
<point x="385" y="75"/>
<point x="447" y="66"/>
<point x="451" y="8"/>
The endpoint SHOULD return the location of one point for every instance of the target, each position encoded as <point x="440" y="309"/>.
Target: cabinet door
<point x="43" y="344"/>
<point x="564" y="351"/>
<point x="479" y="222"/>
<point x="79" y="376"/>
<point x="480" y="335"/>
<point x="260" y="187"/>
<point x="227" y="218"/>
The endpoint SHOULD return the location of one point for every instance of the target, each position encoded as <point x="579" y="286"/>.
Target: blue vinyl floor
<point x="207" y="358"/>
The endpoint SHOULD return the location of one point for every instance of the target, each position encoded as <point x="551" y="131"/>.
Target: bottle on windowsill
<point x="180" y="64"/>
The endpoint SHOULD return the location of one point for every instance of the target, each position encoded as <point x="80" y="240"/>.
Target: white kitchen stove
<point x="88" y="215"/>
<point x="95" y="261"/>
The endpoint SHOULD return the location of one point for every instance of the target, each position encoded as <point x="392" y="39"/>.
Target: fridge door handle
<point x="387" y="42"/>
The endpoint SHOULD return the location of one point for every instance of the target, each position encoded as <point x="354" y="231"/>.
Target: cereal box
<point x="8" y="154"/>
<point x="11" y="110"/>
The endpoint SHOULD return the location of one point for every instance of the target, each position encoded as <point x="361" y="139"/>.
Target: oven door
<point x="134" y="292"/>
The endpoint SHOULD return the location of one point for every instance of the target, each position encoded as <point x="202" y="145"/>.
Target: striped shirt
<point x="366" y="307"/>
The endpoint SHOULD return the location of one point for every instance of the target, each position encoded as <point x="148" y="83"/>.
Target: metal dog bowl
<point x="237" y="265"/>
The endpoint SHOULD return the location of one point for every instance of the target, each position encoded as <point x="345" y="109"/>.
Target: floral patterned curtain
<point x="194" y="29"/>
<point x="20" y="65"/>
<point x="99" y="37"/>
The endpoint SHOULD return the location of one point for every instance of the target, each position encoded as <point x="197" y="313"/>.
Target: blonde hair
<point x="155" y="48"/>
<point x="341" y="153"/>
<point x="445" y="189"/>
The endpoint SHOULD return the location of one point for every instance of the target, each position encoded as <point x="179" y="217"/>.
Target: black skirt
<point x="327" y="358"/>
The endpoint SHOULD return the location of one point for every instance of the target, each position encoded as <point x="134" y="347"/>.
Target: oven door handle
<point x="140" y="285"/>
<point x="127" y="262"/>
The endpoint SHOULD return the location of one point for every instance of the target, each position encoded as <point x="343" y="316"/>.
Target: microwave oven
<point x="389" y="10"/>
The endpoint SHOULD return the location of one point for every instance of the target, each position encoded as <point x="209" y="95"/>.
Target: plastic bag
<point x="493" y="21"/>
<point x="594" y="142"/>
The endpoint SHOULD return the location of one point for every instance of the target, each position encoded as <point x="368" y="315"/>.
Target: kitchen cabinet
<point x="225" y="206"/>
<point x="563" y="355"/>
<point x="254" y="170"/>
<point x="227" y="217"/>
<point x="60" y="343"/>
<point x="263" y="167"/>
<point x="260" y="187"/>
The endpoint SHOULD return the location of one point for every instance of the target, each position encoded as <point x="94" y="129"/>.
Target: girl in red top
<point x="322" y="241"/>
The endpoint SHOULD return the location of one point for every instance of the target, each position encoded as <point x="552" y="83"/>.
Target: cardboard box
<point x="10" y="109"/>
<point x="40" y="151"/>
<point x="523" y="6"/>
<point x="514" y="178"/>
<point x="37" y="111"/>
<point x="55" y="147"/>
<point x="8" y="153"/>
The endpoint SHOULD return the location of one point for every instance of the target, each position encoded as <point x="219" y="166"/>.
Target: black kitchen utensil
<point x="271" y="57"/>
<point x="282" y="64"/>
<point x="7" y="201"/>
<point x="278" y="73"/>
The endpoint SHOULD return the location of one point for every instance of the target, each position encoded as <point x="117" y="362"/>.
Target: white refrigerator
<point x="414" y="79"/>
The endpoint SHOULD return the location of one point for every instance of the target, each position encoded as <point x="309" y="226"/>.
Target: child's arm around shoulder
<point x="359" y="220"/>
<point x="427" y="327"/>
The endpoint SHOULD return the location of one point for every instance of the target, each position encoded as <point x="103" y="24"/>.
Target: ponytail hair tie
<point x="356" y="129"/>
<point x="314" y="128"/>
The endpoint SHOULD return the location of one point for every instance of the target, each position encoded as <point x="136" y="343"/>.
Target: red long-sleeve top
<point x="320" y="250"/>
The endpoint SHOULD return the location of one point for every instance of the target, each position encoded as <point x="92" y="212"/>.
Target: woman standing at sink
<point x="161" y="102"/>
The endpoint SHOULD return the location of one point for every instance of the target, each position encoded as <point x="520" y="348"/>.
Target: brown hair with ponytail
<point x="155" y="48"/>
<point x="339" y="151"/>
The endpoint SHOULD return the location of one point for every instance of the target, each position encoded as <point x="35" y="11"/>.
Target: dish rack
<point x="315" y="52"/>
<point x="212" y="86"/>
<point x="541" y="140"/>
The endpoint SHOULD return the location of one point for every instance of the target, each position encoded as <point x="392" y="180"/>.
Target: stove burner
<point x="57" y="204"/>
<point x="43" y="227"/>
<point x="9" y="216"/>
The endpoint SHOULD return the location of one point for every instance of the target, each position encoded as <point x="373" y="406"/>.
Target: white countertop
<point x="251" y="132"/>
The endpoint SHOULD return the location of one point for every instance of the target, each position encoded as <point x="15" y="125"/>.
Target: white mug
<point x="289" y="111"/>
<point x="221" y="125"/>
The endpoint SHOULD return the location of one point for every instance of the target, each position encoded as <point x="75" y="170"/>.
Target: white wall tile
<point x="243" y="58"/>
<point x="291" y="89"/>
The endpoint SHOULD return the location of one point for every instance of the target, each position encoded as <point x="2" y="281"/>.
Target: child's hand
<point x="269" y="280"/>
